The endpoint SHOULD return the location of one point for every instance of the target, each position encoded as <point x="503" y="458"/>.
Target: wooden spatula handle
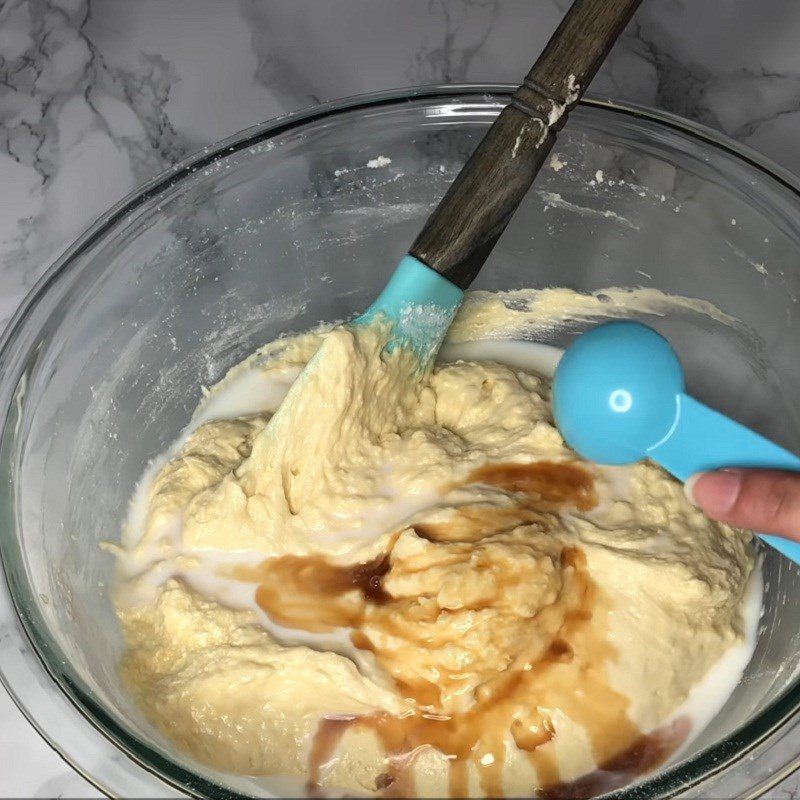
<point x="464" y="227"/>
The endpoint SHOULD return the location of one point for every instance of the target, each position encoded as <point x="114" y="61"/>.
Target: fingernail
<point x="714" y="492"/>
<point x="688" y="487"/>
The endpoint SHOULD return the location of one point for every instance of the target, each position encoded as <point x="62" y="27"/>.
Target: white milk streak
<point x="247" y="392"/>
<point x="527" y="356"/>
<point x="710" y="694"/>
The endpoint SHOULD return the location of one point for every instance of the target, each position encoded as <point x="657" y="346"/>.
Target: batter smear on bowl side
<point x="412" y="587"/>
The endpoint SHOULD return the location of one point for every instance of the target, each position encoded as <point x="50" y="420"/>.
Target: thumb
<point x="767" y="501"/>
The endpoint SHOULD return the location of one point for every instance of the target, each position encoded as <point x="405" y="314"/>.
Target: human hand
<point x="767" y="501"/>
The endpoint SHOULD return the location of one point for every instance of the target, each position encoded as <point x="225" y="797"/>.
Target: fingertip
<point x="715" y="492"/>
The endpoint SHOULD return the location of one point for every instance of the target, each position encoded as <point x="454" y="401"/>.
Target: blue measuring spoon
<point x="619" y="397"/>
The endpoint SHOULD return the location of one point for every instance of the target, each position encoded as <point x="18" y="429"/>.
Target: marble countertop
<point x="96" y="96"/>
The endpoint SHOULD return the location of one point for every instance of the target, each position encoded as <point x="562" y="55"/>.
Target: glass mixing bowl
<point x="302" y="219"/>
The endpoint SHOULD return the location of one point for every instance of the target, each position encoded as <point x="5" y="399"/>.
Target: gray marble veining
<point x="96" y="96"/>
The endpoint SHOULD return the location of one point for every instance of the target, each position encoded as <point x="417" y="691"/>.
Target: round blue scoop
<point x="619" y="396"/>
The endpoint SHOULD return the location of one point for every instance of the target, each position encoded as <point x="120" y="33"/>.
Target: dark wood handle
<point x="464" y="227"/>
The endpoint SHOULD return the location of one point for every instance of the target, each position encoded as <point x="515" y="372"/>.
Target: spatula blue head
<point x="619" y="397"/>
<point x="419" y="304"/>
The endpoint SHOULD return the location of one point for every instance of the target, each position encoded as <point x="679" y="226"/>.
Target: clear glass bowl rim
<point x="714" y="760"/>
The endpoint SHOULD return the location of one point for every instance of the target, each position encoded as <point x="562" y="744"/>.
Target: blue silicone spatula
<point x="619" y="396"/>
<point x="425" y="291"/>
<point x="420" y="300"/>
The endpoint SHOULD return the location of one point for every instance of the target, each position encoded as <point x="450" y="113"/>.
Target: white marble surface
<point x="98" y="95"/>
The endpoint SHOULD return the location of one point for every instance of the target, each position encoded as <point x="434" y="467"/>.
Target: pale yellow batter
<point x="409" y="586"/>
